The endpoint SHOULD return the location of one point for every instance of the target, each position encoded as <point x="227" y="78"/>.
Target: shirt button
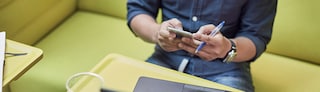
<point x="194" y="18"/>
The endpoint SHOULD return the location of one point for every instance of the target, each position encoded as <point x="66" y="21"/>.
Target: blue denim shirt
<point x="249" y="18"/>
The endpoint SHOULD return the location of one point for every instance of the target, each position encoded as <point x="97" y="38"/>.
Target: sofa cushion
<point x="274" y="73"/>
<point x="28" y="21"/>
<point x="76" y="46"/>
<point x="296" y="30"/>
<point x="291" y="63"/>
<point x="108" y="7"/>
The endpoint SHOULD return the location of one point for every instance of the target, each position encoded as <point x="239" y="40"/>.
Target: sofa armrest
<point x="29" y="21"/>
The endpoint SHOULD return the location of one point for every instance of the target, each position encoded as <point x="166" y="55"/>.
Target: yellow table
<point x="16" y="66"/>
<point x="121" y="73"/>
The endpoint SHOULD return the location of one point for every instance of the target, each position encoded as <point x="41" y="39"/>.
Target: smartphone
<point x="180" y="32"/>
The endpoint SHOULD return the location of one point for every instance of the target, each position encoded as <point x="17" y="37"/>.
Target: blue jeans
<point x="236" y="75"/>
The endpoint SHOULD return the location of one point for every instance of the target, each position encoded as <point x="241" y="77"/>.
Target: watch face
<point x="231" y="55"/>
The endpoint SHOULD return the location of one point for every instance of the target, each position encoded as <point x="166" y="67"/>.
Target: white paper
<point x="2" y="51"/>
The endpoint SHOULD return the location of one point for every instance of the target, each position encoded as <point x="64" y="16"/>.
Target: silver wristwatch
<point x="232" y="53"/>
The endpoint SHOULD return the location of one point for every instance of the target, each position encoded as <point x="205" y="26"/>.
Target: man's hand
<point x="166" y="39"/>
<point x="216" y="46"/>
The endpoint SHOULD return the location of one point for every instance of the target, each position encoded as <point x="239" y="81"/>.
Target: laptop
<point x="148" y="84"/>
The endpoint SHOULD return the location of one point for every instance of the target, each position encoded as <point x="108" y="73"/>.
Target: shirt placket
<point x="195" y="24"/>
<point x="195" y="15"/>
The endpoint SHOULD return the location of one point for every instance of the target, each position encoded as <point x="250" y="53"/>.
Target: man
<point x="226" y="57"/>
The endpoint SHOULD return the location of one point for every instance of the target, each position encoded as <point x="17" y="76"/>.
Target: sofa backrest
<point x="297" y="31"/>
<point x="116" y="8"/>
<point x="28" y="21"/>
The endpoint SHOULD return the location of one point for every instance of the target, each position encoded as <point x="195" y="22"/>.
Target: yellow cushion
<point x="296" y="30"/>
<point x="287" y="64"/>
<point x="76" y="46"/>
<point x="108" y="7"/>
<point x="274" y="73"/>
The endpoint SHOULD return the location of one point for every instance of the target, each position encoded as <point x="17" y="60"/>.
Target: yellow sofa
<point x="76" y="34"/>
<point x="73" y="34"/>
<point x="291" y="63"/>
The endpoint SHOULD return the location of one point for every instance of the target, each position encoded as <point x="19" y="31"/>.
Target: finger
<point x="175" y="23"/>
<point x="190" y="48"/>
<point x="187" y="48"/>
<point x="197" y="42"/>
<point x="202" y="54"/>
<point x="205" y="54"/>
<point x="191" y="42"/>
<point x="169" y="45"/>
<point x="170" y="23"/>
<point x="208" y="38"/>
<point x="164" y="32"/>
<point x="206" y="29"/>
<point x="202" y="37"/>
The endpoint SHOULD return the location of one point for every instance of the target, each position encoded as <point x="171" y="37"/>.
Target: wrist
<point x="155" y="35"/>
<point x="232" y="53"/>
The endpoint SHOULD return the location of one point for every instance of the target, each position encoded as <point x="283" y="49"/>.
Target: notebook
<point x="148" y="84"/>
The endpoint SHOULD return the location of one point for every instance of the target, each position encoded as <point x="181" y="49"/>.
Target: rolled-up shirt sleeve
<point x="257" y="23"/>
<point x="136" y="7"/>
